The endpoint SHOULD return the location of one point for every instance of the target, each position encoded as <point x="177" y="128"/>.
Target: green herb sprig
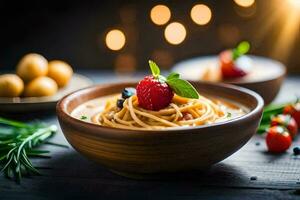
<point x="179" y="86"/>
<point x="271" y="111"/>
<point x="18" y="142"/>
<point x="83" y="117"/>
<point x="240" y="50"/>
<point x="268" y="113"/>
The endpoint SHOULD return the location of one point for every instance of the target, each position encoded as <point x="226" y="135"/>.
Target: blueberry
<point x="296" y="150"/>
<point x="120" y="103"/>
<point x="128" y="92"/>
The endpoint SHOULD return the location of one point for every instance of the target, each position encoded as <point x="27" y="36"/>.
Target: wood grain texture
<point x="68" y="175"/>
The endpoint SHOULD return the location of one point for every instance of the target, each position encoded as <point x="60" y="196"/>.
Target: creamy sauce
<point x="90" y="108"/>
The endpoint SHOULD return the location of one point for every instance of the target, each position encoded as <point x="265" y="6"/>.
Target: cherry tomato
<point x="294" y="111"/>
<point x="278" y="139"/>
<point x="228" y="66"/>
<point x="287" y="121"/>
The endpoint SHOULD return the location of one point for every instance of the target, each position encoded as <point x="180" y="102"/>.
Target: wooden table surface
<point x="68" y="175"/>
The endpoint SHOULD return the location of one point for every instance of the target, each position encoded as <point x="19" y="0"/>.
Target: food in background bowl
<point x="260" y="74"/>
<point x="32" y="66"/>
<point x="233" y="64"/>
<point x="60" y="71"/>
<point x="41" y="78"/>
<point x="145" y="142"/>
<point x="41" y="86"/>
<point x="11" y="85"/>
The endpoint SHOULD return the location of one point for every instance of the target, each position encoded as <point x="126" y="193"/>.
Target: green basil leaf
<point x="173" y="75"/>
<point x="154" y="68"/>
<point x="183" y="88"/>
<point x="243" y="47"/>
<point x="235" y="54"/>
<point x="240" y="50"/>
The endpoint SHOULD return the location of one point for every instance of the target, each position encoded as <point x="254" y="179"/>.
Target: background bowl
<point x="145" y="153"/>
<point x="265" y="77"/>
<point x="34" y="104"/>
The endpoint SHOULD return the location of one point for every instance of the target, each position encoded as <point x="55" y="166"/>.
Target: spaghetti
<point x="181" y="112"/>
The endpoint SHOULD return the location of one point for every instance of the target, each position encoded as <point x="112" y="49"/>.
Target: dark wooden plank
<point x="272" y="171"/>
<point x="99" y="191"/>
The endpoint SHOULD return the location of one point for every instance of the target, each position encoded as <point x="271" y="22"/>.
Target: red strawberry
<point x="233" y="63"/>
<point x="228" y="67"/>
<point x="287" y="121"/>
<point x="156" y="92"/>
<point x="153" y="94"/>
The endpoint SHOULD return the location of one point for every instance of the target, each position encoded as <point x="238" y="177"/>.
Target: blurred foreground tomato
<point x="294" y="111"/>
<point x="278" y="139"/>
<point x="287" y="121"/>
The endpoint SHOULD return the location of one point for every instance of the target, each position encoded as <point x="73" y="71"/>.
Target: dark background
<point x="74" y="31"/>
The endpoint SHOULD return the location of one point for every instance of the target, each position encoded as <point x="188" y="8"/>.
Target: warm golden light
<point x="175" y="33"/>
<point x="160" y="14"/>
<point x="115" y="39"/>
<point x="289" y="31"/>
<point x="201" y="14"/>
<point x="285" y="19"/>
<point x="244" y="3"/>
<point x="295" y="3"/>
<point x="246" y="12"/>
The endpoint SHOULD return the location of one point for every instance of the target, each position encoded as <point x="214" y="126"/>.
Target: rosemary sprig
<point x="18" y="141"/>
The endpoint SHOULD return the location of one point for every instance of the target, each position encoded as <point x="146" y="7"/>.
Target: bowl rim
<point x="63" y="115"/>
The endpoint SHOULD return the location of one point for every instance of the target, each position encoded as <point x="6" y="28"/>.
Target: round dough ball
<point x="11" y="85"/>
<point x="41" y="86"/>
<point x="60" y="71"/>
<point x="32" y="66"/>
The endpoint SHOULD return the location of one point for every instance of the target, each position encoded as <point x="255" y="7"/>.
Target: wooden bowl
<point x="145" y="153"/>
<point x="265" y="78"/>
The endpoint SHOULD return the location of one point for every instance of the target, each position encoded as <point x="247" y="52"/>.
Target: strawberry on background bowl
<point x="264" y="77"/>
<point x="145" y="153"/>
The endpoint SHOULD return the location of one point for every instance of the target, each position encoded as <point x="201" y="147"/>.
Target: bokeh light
<point x="201" y="14"/>
<point x="115" y="39"/>
<point x="244" y="3"/>
<point x="175" y="33"/>
<point x="246" y="12"/>
<point x="160" y="14"/>
<point x="125" y="63"/>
